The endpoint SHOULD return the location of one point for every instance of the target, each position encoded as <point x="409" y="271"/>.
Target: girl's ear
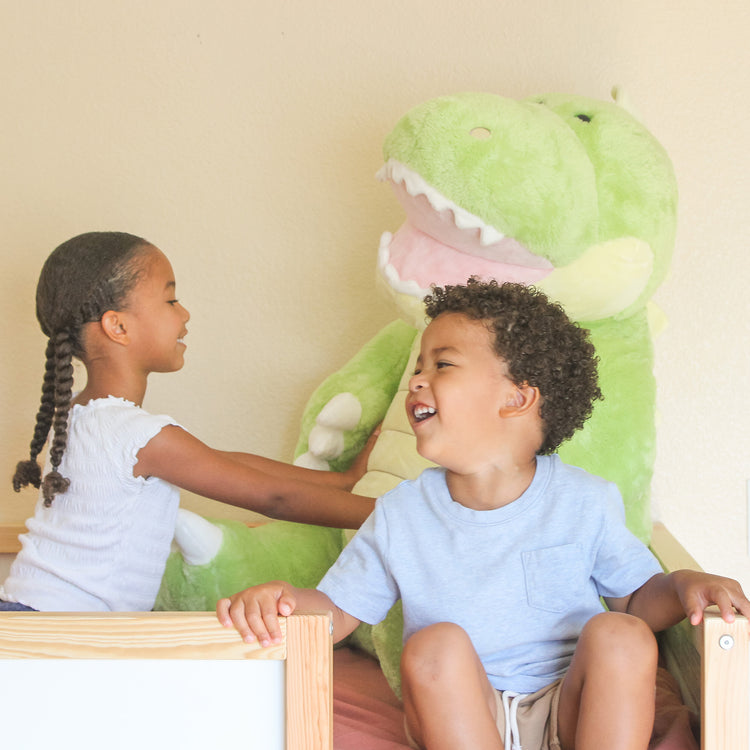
<point x="113" y="325"/>
<point x="524" y="399"/>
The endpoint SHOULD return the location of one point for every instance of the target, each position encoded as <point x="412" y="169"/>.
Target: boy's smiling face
<point x="459" y="390"/>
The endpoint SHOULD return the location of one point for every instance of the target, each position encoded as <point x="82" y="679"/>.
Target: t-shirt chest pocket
<point x="554" y="577"/>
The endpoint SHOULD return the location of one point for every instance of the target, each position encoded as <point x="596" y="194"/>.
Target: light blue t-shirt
<point x="522" y="580"/>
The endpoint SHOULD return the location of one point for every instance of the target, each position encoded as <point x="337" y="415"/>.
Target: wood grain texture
<point x="309" y="683"/>
<point x="9" y="532"/>
<point x="670" y="553"/>
<point x="725" y="680"/>
<point x="114" y="635"/>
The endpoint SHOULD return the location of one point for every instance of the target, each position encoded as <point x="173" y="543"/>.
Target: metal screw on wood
<point x="726" y="642"/>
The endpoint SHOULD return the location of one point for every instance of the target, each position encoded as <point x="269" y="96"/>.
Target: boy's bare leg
<point x="607" y="696"/>
<point x="448" y="700"/>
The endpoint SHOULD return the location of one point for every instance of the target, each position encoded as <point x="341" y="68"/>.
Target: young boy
<point x="500" y="556"/>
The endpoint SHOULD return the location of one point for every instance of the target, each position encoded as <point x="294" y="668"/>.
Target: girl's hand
<point x="358" y="467"/>
<point x="255" y="611"/>
<point x="700" y="590"/>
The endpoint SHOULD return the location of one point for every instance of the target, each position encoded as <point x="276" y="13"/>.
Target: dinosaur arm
<point x="350" y="403"/>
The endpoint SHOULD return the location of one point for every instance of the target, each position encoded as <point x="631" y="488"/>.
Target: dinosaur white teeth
<point x="390" y="274"/>
<point x="415" y="185"/>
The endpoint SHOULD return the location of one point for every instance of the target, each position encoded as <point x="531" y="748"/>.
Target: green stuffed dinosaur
<point x="570" y="194"/>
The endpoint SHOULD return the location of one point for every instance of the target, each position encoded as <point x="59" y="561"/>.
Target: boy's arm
<point x="181" y="459"/>
<point x="665" y="599"/>
<point x="254" y="611"/>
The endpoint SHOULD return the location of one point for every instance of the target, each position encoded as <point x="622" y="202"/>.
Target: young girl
<point x="104" y="522"/>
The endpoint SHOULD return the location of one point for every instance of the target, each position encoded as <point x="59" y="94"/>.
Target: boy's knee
<point x="618" y="636"/>
<point x="429" y="653"/>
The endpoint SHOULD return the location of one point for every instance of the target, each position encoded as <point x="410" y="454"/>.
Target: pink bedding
<point x="368" y="716"/>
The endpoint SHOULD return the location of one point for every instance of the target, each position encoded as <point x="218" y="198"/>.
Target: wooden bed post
<point x="309" y="679"/>
<point x="724" y="683"/>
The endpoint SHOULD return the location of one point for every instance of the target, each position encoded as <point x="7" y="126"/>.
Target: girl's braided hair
<point x="541" y="346"/>
<point x="82" y="279"/>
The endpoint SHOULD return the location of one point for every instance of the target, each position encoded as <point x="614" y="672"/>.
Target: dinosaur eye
<point x="585" y="118"/>
<point x="481" y="134"/>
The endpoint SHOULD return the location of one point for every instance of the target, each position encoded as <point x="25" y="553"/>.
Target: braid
<point x="54" y="482"/>
<point x="81" y="279"/>
<point x="28" y="472"/>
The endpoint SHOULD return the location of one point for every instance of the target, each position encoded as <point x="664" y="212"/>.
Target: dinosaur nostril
<point x="481" y="134"/>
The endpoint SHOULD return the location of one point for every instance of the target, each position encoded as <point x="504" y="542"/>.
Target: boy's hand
<point x="255" y="611"/>
<point x="697" y="591"/>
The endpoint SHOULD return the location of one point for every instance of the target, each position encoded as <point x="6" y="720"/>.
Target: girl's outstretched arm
<point x="259" y="484"/>
<point x="344" y="480"/>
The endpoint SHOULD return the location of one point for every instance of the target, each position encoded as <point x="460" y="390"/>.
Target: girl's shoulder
<point x="108" y="411"/>
<point x="117" y="419"/>
<point x="96" y="405"/>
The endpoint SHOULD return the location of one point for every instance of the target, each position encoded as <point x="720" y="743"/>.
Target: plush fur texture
<point x="248" y="556"/>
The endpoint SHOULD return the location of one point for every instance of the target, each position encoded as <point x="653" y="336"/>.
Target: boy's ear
<point x="522" y="400"/>
<point x="113" y="325"/>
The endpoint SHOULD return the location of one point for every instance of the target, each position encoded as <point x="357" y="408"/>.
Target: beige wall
<point x="242" y="138"/>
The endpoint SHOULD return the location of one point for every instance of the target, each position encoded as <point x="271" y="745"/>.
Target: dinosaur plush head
<point x="568" y="193"/>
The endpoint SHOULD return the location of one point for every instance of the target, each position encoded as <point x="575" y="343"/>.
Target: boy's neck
<point x="494" y="487"/>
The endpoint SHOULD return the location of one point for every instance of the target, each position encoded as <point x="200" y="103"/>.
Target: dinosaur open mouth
<point x="442" y="243"/>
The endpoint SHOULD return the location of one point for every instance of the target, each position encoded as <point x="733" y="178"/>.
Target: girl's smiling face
<point x="457" y="394"/>
<point x="156" y="320"/>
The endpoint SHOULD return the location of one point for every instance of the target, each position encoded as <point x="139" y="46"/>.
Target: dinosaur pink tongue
<point x="418" y="257"/>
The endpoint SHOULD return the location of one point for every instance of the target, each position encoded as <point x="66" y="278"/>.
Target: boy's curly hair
<point x="541" y="346"/>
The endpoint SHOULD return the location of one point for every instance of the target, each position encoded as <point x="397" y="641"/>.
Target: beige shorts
<point x="536" y="719"/>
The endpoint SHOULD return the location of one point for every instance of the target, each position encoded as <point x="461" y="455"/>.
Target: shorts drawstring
<point x="510" y="706"/>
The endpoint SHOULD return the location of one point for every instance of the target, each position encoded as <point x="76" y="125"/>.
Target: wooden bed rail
<point x="9" y="533"/>
<point x="710" y="662"/>
<point x="306" y="649"/>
